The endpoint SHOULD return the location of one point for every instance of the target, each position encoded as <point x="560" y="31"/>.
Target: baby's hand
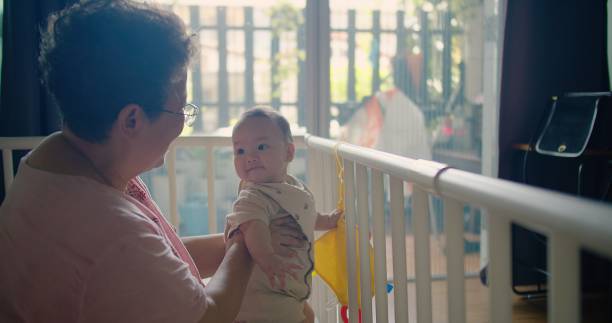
<point x="329" y="221"/>
<point x="275" y="266"/>
<point x="334" y="217"/>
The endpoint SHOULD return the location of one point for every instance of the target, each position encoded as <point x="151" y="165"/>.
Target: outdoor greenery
<point x="285" y="19"/>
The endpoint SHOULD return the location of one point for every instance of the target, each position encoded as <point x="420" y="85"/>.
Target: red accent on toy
<point x="344" y="314"/>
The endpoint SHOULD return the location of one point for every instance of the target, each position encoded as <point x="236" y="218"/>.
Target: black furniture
<point x="572" y="153"/>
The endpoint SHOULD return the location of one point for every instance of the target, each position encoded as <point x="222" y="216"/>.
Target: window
<point x="251" y="53"/>
<point x="405" y="77"/>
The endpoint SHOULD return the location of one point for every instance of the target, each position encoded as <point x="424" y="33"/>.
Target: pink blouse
<point x="74" y="250"/>
<point x="137" y="189"/>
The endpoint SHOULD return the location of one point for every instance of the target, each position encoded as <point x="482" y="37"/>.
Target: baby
<point x="279" y="287"/>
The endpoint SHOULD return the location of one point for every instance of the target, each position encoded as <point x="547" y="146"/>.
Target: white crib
<point x="375" y="180"/>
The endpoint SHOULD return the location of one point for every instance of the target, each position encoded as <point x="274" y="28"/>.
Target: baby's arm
<point x="258" y="241"/>
<point x="308" y="313"/>
<point x="328" y="221"/>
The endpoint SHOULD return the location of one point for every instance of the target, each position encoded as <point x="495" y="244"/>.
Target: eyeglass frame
<point x="189" y="117"/>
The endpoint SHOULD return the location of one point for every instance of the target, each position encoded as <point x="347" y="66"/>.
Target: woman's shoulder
<point x="68" y="208"/>
<point x="52" y="155"/>
<point x="72" y="219"/>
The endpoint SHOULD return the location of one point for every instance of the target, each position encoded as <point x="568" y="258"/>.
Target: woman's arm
<point x="207" y="252"/>
<point x="226" y="288"/>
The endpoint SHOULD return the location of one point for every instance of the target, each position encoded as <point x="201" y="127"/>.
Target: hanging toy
<point x="344" y="308"/>
<point x="344" y="314"/>
<point x="330" y="253"/>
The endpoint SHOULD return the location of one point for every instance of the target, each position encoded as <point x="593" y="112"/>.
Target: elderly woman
<point x="80" y="238"/>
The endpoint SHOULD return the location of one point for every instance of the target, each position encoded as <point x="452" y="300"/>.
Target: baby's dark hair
<point x="269" y="113"/>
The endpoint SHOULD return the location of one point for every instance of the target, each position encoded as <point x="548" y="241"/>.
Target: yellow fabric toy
<point x="330" y="250"/>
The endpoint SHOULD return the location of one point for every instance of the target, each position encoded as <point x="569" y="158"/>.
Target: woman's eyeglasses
<point x="190" y="112"/>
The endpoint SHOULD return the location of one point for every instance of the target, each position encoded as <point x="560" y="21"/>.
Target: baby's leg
<point x="309" y="313"/>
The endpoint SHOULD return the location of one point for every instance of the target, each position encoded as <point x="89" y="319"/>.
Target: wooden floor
<point x="476" y="302"/>
<point x="595" y="308"/>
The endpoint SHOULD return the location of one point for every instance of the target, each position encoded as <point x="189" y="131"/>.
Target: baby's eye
<point x="262" y="147"/>
<point x="239" y="151"/>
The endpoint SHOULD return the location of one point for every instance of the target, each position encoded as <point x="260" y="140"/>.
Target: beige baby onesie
<point x="266" y="202"/>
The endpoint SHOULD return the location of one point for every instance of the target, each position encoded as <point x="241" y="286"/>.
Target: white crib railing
<point x="569" y="222"/>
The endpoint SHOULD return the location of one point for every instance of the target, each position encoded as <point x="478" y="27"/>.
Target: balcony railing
<point x="227" y="39"/>
<point x="376" y="180"/>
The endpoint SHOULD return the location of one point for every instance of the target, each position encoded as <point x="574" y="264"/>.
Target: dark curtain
<point x="25" y="109"/>
<point x="550" y="47"/>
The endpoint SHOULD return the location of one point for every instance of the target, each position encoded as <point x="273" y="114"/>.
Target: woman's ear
<point x="290" y="151"/>
<point x="131" y="120"/>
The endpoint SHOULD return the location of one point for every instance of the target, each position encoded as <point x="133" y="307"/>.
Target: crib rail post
<point x="380" y="248"/>
<point x="398" y="237"/>
<point x="453" y="227"/>
<point x="364" y="243"/>
<point x="499" y="272"/>
<point x="323" y="182"/>
<point x="422" y="261"/>
<point x="351" y="247"/>
<point x="210" y="182"/>
<point x="564" y="280"/>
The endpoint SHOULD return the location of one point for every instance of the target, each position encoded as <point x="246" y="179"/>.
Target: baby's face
<point x="261" y="154"/>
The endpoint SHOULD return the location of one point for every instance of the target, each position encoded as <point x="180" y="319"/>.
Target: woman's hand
<point x="286" y="234"/>
<point x="235" y="238"/>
